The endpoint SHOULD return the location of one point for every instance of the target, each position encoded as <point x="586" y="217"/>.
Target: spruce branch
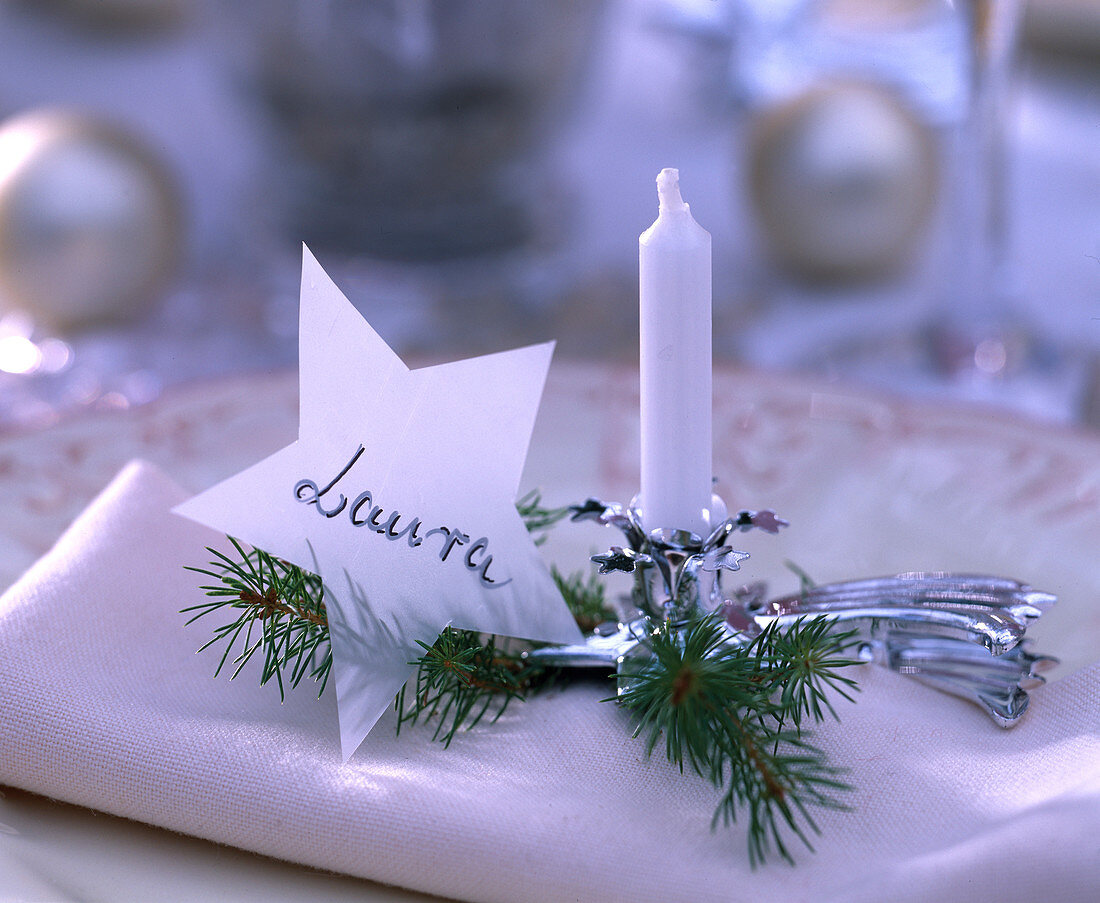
<point x="721" y="708"/>
<point x="803" y="662"/>
<point x="585" y="597"/>
<point x="461" y="678"/>
<point x="805" y="581"/>
<point x="537" y="517"/>
<point x="275" y="608"/>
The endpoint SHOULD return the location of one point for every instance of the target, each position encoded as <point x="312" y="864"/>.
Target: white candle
<point x="675" y="271"/>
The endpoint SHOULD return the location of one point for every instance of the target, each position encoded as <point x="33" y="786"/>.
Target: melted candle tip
<point x="668" y="190"/>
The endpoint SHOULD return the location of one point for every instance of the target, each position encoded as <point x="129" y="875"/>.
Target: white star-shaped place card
<point x="400" y="493"/>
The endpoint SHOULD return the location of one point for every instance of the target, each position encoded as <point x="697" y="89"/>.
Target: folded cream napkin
<point x="104" y="703"/>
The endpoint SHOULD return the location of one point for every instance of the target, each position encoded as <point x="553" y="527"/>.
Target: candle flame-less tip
<point x="668" y="190"/>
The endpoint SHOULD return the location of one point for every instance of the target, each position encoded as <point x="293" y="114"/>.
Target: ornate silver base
<point x="963" y="634"/>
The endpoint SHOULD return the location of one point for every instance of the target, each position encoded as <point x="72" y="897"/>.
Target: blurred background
<point x="902" y="193"/>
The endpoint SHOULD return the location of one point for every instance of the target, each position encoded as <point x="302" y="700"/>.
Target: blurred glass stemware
<point x="979" y="345"/>
<point x="972" y="331"/>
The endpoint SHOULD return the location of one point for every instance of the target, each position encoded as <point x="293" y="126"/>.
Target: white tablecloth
<point x="104" y="703"/>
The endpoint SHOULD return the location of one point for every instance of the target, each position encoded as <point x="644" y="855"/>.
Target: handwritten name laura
<point x="363" y="512"/>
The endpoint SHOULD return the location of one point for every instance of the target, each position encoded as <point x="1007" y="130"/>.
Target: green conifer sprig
<point x="721" y="710"/>
<point x="277" y="608"/>
<point x="585" y="597"/>
<point x="460" y="678"/>
<point x="273" y="607"/>
<point x="804" y="662"/>
<point x="537" y="517"/>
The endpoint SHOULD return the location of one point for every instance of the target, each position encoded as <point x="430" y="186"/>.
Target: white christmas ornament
<point x="90" y="223"/>
<point x="843" y="179"/>
<point x="400" y="494"/>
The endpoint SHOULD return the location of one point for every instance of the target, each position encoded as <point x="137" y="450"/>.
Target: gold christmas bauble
<point x="842" y="180"/>
<point x="90" y="224"/>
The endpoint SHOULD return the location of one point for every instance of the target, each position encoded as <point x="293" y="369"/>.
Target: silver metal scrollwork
<point x="963" y="634"/>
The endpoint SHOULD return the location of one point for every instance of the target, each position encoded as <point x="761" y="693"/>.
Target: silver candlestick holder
<point x="677" y="573"/>
<point x="960" y="633"/>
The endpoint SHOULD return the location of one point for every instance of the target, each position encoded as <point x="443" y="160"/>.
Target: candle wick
<point x="668" y="191"/>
